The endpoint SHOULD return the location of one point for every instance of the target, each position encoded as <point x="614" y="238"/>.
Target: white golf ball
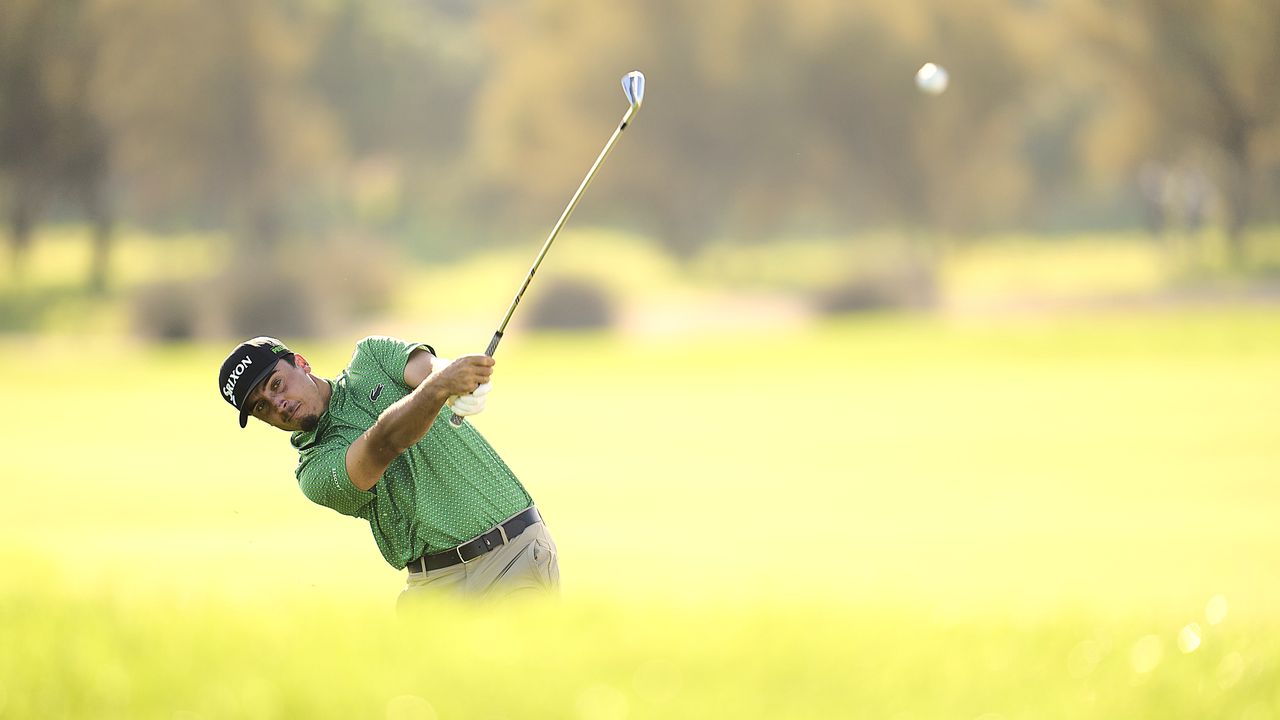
<point x="932" y="79"/>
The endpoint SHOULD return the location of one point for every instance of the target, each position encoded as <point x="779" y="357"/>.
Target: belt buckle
<point x="487" y="545"/>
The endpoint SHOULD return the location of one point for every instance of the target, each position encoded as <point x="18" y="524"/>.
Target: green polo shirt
<point x="448" y="488"/>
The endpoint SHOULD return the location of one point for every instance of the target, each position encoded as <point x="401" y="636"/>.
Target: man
<point x="376" y="443"/>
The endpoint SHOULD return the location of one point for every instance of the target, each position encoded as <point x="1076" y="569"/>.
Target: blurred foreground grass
<point x="881" y="517"/>
<point x="302" y="658"/>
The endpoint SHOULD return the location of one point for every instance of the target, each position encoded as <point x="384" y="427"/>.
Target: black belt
<point x="472" y="549"/>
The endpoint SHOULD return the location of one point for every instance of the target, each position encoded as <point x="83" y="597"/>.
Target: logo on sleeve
<point x="373" y="396"/>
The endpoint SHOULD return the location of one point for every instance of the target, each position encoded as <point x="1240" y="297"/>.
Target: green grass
<point x="60" y="257"/>
<point x="47" y="292"/>
<point x="880" y="517"/>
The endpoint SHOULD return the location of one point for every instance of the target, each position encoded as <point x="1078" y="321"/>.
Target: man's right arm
<point x="403" y="424"/>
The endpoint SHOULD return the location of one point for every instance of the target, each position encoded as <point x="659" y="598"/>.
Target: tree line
<point x="445" y="124"/>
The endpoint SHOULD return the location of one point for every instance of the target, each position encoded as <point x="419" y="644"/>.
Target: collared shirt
<point x="446" y="489"/>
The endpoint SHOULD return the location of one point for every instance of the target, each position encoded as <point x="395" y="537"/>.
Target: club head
<point x="633" y="86"/>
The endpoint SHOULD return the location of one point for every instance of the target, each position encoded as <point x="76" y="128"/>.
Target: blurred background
<point x="843" y="395"/>
<point x="259" y="148"/>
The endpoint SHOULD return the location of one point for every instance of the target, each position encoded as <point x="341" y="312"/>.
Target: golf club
<point x="633" y="87"/>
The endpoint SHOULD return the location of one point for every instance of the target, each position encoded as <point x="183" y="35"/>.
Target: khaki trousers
<point x="526" y="564"/>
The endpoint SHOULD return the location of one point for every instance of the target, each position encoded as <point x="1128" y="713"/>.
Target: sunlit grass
<point x="776" y="282"/>
<point x="48" y="291"/>
<point x="1024" y="269"/>
<point x="60" y="257"/>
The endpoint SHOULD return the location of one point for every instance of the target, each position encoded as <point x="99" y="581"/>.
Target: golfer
<point x="376" y="443"/>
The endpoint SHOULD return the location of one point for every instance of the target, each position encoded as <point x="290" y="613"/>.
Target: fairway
<point x="888" y="517"/>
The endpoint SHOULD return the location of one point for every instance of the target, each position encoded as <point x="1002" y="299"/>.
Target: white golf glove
<point x="470" y="404"/>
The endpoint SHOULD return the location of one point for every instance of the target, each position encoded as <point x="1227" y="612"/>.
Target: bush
<point x="168" y="311"/>
<point x="358" y="273"/>
<point x="914" y="288"/>
<point x="263" y="300"/>
<point x="303" y="294"/>
<point x="571" y="304"/>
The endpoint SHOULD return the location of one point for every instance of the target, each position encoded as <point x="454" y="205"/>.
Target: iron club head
<point x="633" y="86"/>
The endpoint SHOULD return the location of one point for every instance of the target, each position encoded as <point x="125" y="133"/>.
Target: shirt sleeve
<point x="390" y="354"/>
<point x="322" y="475"/>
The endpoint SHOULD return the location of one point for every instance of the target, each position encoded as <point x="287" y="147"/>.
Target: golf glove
<point x="470" y="404"/>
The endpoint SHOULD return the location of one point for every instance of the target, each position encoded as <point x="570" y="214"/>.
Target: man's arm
<point x="419" y="366"/>
<point x="407" y="421"/>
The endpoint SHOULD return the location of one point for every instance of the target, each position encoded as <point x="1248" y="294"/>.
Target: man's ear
<point x="302" y="363"/>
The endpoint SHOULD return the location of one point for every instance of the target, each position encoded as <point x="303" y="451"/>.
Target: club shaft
<point x="564" y="216"/>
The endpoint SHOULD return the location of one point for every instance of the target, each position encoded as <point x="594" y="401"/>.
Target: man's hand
<point x="471" y="403"/>
<point x="461" y="376"/>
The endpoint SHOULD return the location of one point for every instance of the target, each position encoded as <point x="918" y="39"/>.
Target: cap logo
<point x="230" y="388"/>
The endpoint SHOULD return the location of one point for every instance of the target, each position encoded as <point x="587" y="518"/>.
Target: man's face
<point x="289" y="398"/>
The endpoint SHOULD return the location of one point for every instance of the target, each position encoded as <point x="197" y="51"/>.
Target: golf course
<point x="989" y="515"/>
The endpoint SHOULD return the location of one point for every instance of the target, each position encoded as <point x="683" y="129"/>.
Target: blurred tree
<point x="85" y="148"/>
<point x="542" y="110"/>
<point x="26" y="113"/>
<point x="214" y="124"/>
<point x="707" y="139"/>
<point x="51" y="142"/>
<point x="1203" y="73"/>
<point x="445" y="120"/>
<point x="400" y="78"/>
<point x="762" y="118"/>
<point x="209" y="111"/>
